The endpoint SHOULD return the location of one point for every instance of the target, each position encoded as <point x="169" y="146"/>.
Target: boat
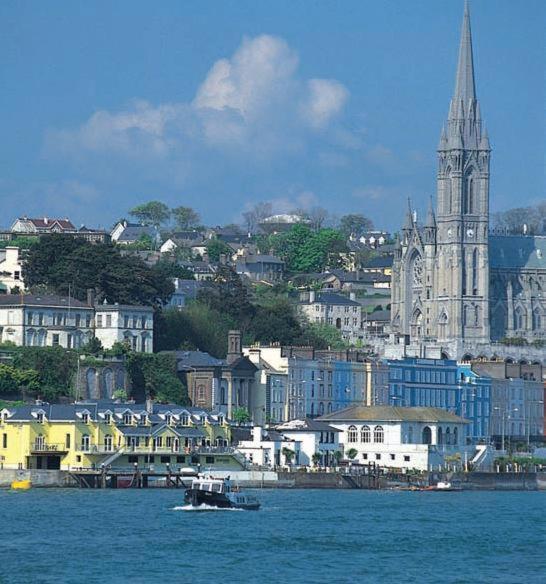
<point x="220" y="493"/>
<point x="443" y="486"/>
<point x="21" y="485"/>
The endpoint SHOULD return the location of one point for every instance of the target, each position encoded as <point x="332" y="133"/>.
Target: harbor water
<point x="92" y="536"/>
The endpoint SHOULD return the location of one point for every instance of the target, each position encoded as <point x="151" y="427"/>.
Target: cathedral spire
<point x="431" y="219"/>
<point x="465" y="87"/>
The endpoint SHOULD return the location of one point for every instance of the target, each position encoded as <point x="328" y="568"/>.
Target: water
<point x="136" y="536"/>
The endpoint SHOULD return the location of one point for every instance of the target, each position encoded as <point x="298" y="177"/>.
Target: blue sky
<point x="218" y="105"/>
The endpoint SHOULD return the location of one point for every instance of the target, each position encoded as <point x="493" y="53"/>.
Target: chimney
<point x="90" y="297"/>
<point x="150" y="405"/>
<point x="234" y="346"/>
<point x="312" y="296"/>
<point x="352" y="296"/>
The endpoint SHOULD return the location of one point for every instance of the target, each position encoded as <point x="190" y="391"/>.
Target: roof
<point x="392" y="414"/>
<point x="41" y="300"/>
<point x="307" y="425"/>
<point x="517" y="251"/>
<point x="260" y="258"/>
<point x="189" y="359"/>
<point x="47" y="223"/>
<point x="379" y="315"/>
<point x="133" y="232"/>
<point x="384" y="261"/>
<point x="332" y="298"/>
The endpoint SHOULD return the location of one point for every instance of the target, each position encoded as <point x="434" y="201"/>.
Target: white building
<point x="45" y="321"/>
<point x="268" y="448"/>
<point x="401" y="438"/>
<point x="11" y="270"/>
<point x="116" y="323"/>
<point x="314" y="437"/>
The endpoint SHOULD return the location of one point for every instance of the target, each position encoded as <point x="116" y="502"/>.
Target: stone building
<point x="455" y="283"/>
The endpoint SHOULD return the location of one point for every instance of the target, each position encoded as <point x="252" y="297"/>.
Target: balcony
<point x="44" y="448"/>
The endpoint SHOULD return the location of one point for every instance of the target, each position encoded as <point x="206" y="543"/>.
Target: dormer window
<point x="107" y="418"/>
<point x="85" y="418"/>
<point x="168" y="419"/>
<point x="143" y="419"/>
<point x="185" y="419"/>
<point x="40" y="418"/>
<point x="127" y="419"/>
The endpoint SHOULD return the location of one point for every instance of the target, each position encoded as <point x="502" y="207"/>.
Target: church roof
<point x="517" y="251"/>
<point x="465" y="87"/>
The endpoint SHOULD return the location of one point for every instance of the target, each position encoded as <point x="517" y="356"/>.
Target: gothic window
<point x="352" y="434"/>
<point x="442" y="324"/>
<point x="448" y="193"/>
<point x="378" y="434"/>
<point x="417" y="270"/>
<point x="475" y="272"/>
<point x="476" y="315"/>
<point x="537" y="319"/>
<point x="365" y="434"/>
<point x="469" y="195"/>
<point x="519" y="318"/>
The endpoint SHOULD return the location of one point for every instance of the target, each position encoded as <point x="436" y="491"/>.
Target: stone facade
<point x="454" y="283"/>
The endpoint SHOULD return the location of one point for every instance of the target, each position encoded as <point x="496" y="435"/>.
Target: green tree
<point x="151" y="213"/>
<point x="13" y="379"/>
<point x="288" y="454"/>
<point x="351" y="453"/>
<point x="155" y="375"/>
<point x="323" y="336"/>
<point x="316" y="458"/>
<point x="216" y="248"/>
<point x="240" y="416"/>
<point x="355" y="224"/>
<point x="62" y="263"/>
<point x="185" y="217"/>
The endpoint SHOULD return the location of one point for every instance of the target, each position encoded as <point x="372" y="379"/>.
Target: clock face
<point x="449" y="232"/>
<point x="470" y="232"/>
<point x="417" y="271"/>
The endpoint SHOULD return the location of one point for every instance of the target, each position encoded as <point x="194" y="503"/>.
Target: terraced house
<point x="120" y="435"/>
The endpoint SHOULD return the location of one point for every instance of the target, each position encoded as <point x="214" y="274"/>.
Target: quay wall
<point x="523" y="481"/>
<point x="39" y="478"/>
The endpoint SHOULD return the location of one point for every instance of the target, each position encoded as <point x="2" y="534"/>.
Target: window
<point x="134" y="322"/>
<point x="107" y="418"/>
<point x="87" y="320"/>
<point x="165" y="459"/>
<point x="4" y="440"/>
<point x="169" y="442"/>
<point x="127" y="419"/>
<point x="86" y="442"/>
<point x="378" y="434"/>
<point x="132" y="459"/>
<point x="365" y="456"/>
<point x="159" y="441"/>
<point x="209" y="459"/>
<point x="406" y="458"/>
<point x="16" y="275"/>
<point x="126" y="321"/>
<point x="108" y="442"/>
<point x="85" y="418"/>
<point x="180" y="459"/>
<point x="378" y="456"/>
<point x="40" y="418"/>
<point x="365" y="434"/>
<point x="67" y="441"/>
<point x="108" y="320"/>
<point x="352" y="434"/>
<point x="30" y="318"/>
<point x="55" y="340"/>
<point x="393" y="457"/>
<point x="99" y="320"/>
<point x="78" y="319"/>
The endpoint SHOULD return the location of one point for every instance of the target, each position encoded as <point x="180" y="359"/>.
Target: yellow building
<point x="92" y="434"/>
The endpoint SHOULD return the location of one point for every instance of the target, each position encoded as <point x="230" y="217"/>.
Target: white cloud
<point x="326" y="99"/>
<point x="253" y="103"/>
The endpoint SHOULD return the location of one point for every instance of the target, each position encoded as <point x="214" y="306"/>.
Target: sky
<point x="218" y="105"/>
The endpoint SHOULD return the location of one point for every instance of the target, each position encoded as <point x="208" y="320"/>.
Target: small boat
<point x="21" y="485"/>
<point x="218" y="492"/>
<point x="443" y="486"/>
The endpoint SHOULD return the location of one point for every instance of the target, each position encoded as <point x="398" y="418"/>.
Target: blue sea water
<point x="141" y="536"/>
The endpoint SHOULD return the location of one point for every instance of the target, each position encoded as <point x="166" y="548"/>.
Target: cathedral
<point x="454" y="283"/>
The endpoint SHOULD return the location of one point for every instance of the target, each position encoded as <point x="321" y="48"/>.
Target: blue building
<point x="442" y="383"/>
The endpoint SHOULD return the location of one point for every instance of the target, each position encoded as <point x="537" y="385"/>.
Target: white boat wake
<point x="204" y="507"/>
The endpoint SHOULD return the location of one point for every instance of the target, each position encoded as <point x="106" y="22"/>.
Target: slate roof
<point x="379" y="315"/>
<point x="379" y="262"/>
<point x="392" y="414"/>
<point x="44" y="223"/>
<point x="307" y="425"/>
<point x="133" y="232"/>
<point x="517" y="251"/>
<point x="332" y="298"/>
<point x="41" y="300"/>
<point x="188" y="359"/>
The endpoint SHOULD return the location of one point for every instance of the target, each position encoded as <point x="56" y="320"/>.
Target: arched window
<point x="469" y="203"/>
<point x="86" y="442"/>
<point x="475" y="272"/>
<point x="537" y="319"/>
<point x="448" y="436"/>
<point x="365" y="434"/>
<point x="378" y="434"/>
<point x="329" y="407"/>
<point x="448" y="193"/>
<point x="352" y="434"/>
<point x="201" y="393"/>
<point x="410" y="435"/>
<point x="455" y="436"/>
<point x="427" y="435"/>
<point x="321" y="409"/>
<point x="519" y="318"/>
<point x="312" y="409"/>
<point x="108" y="443"/>
<point x="440" y="435"/>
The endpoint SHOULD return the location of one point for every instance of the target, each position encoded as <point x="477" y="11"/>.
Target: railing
<point x="44" y="447"/>
<point x="95" y="449"/>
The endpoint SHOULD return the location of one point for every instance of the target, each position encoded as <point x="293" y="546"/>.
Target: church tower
<point x="462" y="214"/>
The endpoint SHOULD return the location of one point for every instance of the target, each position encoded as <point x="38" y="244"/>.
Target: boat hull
<point x="197" y="497"/>
<point x="22" y="485"/>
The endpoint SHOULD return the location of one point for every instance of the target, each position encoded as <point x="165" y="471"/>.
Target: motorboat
<point x="218" y="492"/>
<point x="443" y="486"/>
